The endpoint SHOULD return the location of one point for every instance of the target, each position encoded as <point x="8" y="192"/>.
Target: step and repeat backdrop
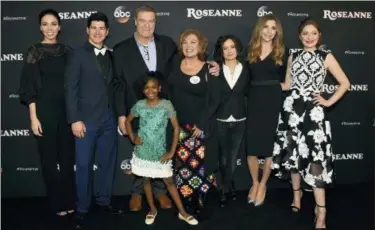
<point x="347" y="30"/>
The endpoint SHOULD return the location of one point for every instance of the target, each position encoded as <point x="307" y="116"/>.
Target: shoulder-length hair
<point x="218" y="53"/>
<point x="203" y="43"/>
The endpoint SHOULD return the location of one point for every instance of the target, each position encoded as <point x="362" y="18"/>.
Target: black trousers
<point x="56" y="150"/>
<point x="230" y="135"/>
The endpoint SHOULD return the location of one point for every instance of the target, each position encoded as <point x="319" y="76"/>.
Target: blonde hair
<point x="255" y="44"/>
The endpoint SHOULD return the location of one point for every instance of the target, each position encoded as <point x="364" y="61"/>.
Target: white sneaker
<point x="190" y="220"/>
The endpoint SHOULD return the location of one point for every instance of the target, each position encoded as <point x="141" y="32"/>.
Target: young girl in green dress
<point x="150" y="158"/>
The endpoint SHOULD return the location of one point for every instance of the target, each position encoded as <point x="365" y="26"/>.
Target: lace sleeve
<point x="135" y="109"/>
<point x="30" y="77"/>
<point x="169" y="106"/>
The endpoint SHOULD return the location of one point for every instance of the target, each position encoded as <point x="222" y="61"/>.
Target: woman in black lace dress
<point x="42" y="90"/>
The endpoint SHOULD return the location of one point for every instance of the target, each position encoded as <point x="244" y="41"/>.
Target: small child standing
<point x="150" y="159"/>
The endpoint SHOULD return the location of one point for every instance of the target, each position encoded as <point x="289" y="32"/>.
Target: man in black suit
<point x="90" y="109"/>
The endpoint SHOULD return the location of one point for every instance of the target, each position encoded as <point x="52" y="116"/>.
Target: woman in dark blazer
<point x="231" y="114"/>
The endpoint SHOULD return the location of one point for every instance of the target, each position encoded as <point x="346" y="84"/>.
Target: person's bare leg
<point x="297" y="192"/>
<point x="175" y="196"/>
<point x="150" y="197"/>
<point x="252" y="162"/>
<point x="261" y="192"/>
<point x="320" y="209"/>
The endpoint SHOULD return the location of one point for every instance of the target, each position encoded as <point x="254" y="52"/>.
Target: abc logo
<point x="121" y="14"/>
<point x="126" y="165"/>
<point x="263" y="10"/>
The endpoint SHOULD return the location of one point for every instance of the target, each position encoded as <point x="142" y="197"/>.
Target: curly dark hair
<point x="218" y="53"/>
<point x="152" y="76"/>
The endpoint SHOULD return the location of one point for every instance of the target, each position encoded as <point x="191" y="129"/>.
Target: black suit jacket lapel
<point x="92" y="57"/>
<point x="159" y="53"/>
<point x="110" y="74"/>
<point x="222" y="75"/>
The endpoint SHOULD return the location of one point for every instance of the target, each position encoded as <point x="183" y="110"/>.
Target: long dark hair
<point x="49" y="12"/>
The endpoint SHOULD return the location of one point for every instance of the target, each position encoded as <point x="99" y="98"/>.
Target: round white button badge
<point x="194" y="80"/>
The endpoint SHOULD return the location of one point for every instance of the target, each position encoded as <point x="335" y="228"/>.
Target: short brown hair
<point x="203" y="43"/>
<point x="144" y="8"/>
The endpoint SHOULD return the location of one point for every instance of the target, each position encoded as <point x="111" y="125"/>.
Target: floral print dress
<point x="303" y="142"/>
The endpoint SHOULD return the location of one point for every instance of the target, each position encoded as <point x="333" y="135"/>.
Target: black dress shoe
<point x="79" y="219"/>
<point x="233" y="191"/>
<point x="223" y="199"/>
<point x="110" y="209"/>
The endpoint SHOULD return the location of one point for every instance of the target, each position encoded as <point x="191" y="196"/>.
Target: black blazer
<point x="232" y="101"/>
<point x="130" y="67"/>
<point x="88" y="95"/>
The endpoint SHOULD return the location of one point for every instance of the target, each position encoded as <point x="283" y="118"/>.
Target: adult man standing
<point x="90" y="110"/>
<point x="133" y="57"/>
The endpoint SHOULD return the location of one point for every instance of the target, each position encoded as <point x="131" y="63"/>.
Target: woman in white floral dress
<point x="303" y="144"/>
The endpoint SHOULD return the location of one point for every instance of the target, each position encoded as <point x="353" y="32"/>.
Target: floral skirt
<point x="190" y="171"/>
<point x="303" y="141"/>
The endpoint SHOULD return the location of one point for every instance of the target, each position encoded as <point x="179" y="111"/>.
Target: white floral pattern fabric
<point x="303" y="142"/>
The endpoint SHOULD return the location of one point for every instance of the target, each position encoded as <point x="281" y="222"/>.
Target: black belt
<point x="262" y="83"/>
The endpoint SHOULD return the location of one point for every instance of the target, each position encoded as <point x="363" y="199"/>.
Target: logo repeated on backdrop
<point x="348" y="156"/>
<point x="75" y="15"/>
<point x="355" y="52"/>
<point x="12" y="57"/>
<point x="215" y="13"/>
<point x="294" y="14"/>
<point x="27" y="169"/>
<point x="121" y="14"/>
<point x="160" y="14"/>
<point x="263" y="10"/>
<point x="350" y="123"/>
<point x="126" y="166"/>
<point x="327" y="88"/>
<point x="11" y="18"/>
<point x="13" y="96"/>
<point x="333" y="15"/>
<point x="15" y="133"/>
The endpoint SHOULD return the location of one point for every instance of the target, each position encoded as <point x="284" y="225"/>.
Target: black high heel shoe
<point x="233" y="191"/>
<point x="316" y="215"/>
<point x="293" y="207"/>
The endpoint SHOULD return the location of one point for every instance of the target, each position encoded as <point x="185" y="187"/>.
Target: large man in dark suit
<point x="90" y="109"/>
<point x="141" y="53"/>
